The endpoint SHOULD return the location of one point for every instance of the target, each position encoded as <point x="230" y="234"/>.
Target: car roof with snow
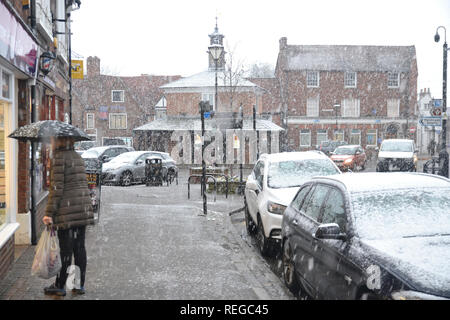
<point x="289" y="156"/>
<point x="399" y="140"/>
<point x="378" y="181"/>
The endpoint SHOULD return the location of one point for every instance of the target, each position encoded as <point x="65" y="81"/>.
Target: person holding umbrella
<point x="69" y="207"/>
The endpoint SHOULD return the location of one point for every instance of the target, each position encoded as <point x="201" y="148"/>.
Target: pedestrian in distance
<point x="69" y="210"/>
<point x="432" y="147"/>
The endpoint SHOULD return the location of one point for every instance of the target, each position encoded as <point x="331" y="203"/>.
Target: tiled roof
<point x="348" y="58"/>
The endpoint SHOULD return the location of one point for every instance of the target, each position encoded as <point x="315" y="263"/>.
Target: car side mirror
<point x="139" y="162"/>
<point x="105" y="158"/>
<point x="416" y="151"/>
<point x="330" y="231"/>
<point x="252" y="184"/>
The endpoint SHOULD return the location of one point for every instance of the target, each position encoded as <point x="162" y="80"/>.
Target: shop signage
<point x="77" y="69"/>
<point x="16" y="45"/>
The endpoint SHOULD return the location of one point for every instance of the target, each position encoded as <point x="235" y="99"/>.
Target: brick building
<point x="359" y="94"/>
<point x="108" y="107"/>
<point x="181" y="108"/>
<point x="29" y="94"/>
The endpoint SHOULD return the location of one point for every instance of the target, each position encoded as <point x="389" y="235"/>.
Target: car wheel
<point x="263" y="242"/>
<point x="249" y="224"/>
<point x="289" y="276"/>
<point x="126" y="178"/>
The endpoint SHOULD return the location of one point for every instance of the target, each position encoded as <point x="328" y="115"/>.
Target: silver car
<point x="129" y="168"/>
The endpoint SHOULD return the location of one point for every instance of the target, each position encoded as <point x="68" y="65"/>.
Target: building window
<point x="393" y="79"/>
<point x="5" y="82"/>
<point x="322" y="136"/>
<point x="90" y="121"/>
<point x="351" y="108"/>
<point x="305" y="138"/>
<point x="393" y="108"/>
<point x="372" y="137"/>
<point x="350" y="80"/>
<point x="355" y="137"/>
<point x="117" y="120"/>
<point x="312" y="107"/>
<point x="339" y="135"/>
<point x="312" y="79"/>
<point x="117" y="96"/>
<point x="210" y="98"/>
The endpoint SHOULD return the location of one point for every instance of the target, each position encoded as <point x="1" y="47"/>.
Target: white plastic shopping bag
<point x="47" y="259"/>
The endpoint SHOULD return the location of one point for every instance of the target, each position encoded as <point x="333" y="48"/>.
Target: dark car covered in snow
<point x="369" y="236"/>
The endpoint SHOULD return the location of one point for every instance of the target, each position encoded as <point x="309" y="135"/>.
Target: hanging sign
<point x="77" y="69"/>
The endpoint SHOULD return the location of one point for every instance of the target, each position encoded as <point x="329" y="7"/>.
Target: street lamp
<point x="204" y="106"/>
<point x="335" y="107"/>
<point x="443" y="154"/>
<point x="216" y="52"/>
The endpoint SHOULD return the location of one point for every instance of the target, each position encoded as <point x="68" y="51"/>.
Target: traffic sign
<point x="207" y="115"/>
<point x="436" y="112"/>
<point x="430" y="121"/>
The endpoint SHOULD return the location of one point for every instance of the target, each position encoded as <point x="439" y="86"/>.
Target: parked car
<point x="129" y="168"/>
<point x="369" y="236"/>
<point x="397" y="155"/>
<point x="81" y="146"/>
<point x="113" y="141"/>
<point x="349" y="157"/>
<point x="94" y="156"/>
<point x="329" y="146"/>
<point x="270" y="187"/>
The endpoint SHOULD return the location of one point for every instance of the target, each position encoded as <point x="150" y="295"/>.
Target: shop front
<point x="18" y="53"/>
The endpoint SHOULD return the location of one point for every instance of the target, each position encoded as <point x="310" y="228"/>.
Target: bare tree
<point x="233" y="74"/>
<point x="261" y="70"/>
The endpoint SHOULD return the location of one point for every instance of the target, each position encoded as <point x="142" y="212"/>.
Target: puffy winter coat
<point x="69" y="203"/>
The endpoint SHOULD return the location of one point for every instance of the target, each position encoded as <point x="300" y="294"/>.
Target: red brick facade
<point x="93" y="95"/>
<point x="371" y="91"/>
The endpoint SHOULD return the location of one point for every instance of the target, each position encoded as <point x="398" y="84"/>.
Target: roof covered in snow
<point x="348" y="58"/>
<point x="207" y="79"/>
<point x="176" y="124"/>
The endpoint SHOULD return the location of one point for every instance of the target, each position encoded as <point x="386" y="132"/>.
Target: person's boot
<point x="53" y="290"/>
<point x="79" y="290"/>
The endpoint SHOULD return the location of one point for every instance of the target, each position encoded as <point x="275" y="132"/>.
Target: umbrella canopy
<point x="44" y="130"/>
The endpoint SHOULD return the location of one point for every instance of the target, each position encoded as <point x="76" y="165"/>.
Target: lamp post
<point x="216" y="52"/>
<point x="204" y="106"/>
<point x="443" y="154"/>
<point x="336" y="105"/>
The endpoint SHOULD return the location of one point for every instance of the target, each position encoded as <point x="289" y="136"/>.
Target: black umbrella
<point x="44" y="130"/>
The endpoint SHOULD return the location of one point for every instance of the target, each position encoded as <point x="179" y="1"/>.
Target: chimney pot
<point x="283" y="43"/>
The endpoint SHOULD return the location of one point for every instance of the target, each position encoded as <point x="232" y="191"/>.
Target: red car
<point x="349" y="157"/>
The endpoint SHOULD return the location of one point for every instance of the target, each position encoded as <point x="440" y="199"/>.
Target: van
<point x="397" y="155"/>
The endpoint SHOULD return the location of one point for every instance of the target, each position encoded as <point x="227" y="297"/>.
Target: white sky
<point x="170" y="37"/>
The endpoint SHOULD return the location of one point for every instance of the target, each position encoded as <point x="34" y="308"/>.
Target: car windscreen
<point x="397" y="146"/>
<point x="127" y="157"/>
<point x="92" y="153"/>
<point x="287" y="174"/>
<point x="345" y="151"/>
<point x="391" y="214"/>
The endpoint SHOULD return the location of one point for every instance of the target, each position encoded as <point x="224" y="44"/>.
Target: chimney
<point x="283" y="43"/>
<point x="93" y="66"/>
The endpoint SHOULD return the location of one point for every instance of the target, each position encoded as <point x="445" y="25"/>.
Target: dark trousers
<point x="71" y="241"/>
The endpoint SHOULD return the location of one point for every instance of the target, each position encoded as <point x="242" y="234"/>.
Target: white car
<point x="272" y="185"/>
<point x="397" y="155"/>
